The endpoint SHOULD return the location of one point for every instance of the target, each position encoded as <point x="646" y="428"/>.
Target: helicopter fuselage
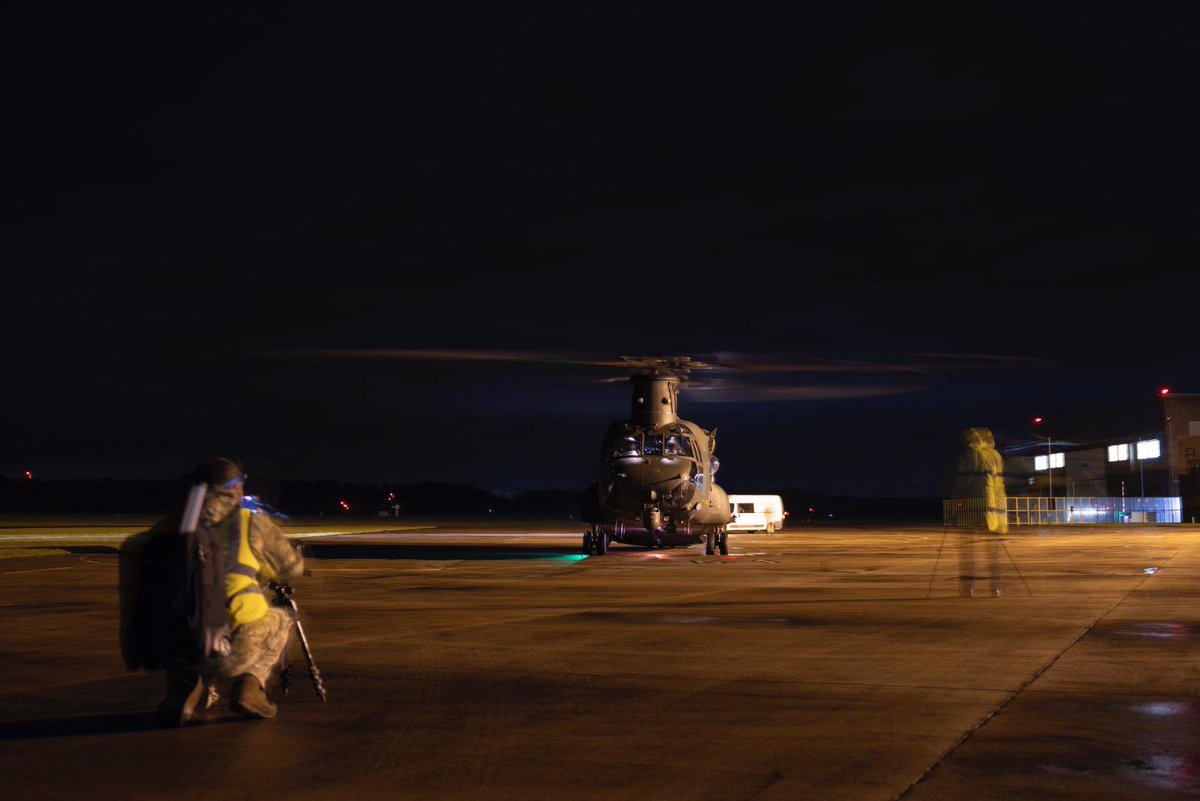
<point x="656" y="475"/>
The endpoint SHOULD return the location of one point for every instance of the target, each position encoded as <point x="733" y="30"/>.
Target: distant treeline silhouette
<point x="304" y="498"/>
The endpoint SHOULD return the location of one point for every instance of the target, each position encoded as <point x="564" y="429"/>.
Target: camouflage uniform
<point x="257" y="644"/>
<point x="256" y="553"/>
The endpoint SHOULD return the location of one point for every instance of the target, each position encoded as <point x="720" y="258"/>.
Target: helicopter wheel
<point x="723" y="543"/>
<point x="602" y="542"/>
<point x="709" y="544"/>
<point x="587" y="542"/>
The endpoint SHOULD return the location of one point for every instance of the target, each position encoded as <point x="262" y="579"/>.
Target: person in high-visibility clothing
<point x="980" y="474"/>
<point x="256" y="552"/>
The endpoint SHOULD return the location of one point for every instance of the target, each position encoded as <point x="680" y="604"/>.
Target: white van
<point x="756" y="513"/>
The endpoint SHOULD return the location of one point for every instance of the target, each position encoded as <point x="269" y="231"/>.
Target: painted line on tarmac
<point x="448" y="535"/>
<point x="35" y="570"/>
<point x="19" y="538"/>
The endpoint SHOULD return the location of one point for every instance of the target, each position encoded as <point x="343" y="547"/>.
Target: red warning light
<point x="1164" y="392"/>
<point x="344" y="505"/>
<point x="1037" y="421"/>
<point x="28" y="474"/>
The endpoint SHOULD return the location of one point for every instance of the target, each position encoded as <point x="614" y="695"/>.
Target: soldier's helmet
<point x="218" y="471"/>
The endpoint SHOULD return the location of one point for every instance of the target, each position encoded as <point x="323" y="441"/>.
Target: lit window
<point x="1054" y="460"/>
<point x="1148" y="449"/>
<point x="1118" y="453"/>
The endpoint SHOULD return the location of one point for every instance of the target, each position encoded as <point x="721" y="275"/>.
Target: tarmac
<point x="475" y="660"/>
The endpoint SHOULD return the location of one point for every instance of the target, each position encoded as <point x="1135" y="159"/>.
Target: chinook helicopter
<point x="657" y="471"/>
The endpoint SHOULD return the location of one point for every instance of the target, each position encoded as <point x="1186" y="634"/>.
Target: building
<point x="1141" y="450"/>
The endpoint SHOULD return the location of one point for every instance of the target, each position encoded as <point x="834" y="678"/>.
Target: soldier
<point x="980" y="474"/>
<point x="256" y="553"/>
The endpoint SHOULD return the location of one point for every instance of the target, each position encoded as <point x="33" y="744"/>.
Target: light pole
<point x="1037" y="421"/>
<point x="1169" y="436"/>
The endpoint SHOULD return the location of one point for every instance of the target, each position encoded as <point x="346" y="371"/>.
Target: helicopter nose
<point x="671" y="484"/>
<point x="655" y="480"/>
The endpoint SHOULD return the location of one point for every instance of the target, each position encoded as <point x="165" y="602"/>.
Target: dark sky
<point x="185" y="187"/>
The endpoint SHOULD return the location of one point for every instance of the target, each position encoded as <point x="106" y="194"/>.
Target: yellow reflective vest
<point x="244" y="596"/>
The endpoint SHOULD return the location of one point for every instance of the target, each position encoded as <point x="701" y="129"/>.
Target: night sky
<point x="186" y="188"/>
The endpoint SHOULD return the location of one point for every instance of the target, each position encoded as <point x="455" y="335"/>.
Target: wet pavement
<point x="480" y="661"/>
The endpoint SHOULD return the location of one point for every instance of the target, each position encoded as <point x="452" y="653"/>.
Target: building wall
<point x="1182" y="423"/>
<point x="1086" y="473"/>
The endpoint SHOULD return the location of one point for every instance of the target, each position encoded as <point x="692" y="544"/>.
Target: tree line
<point x="365" y="499"/>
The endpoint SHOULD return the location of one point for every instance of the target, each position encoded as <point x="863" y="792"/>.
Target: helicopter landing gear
<point x="596" y="542"/>
<point x="723" y="543"/>
<point x="771" y="527"/>
<point x="709" y="544"/>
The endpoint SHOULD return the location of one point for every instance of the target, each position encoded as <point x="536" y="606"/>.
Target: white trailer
<point x="756" y="513"/>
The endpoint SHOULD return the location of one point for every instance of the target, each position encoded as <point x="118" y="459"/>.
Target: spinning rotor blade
<point x="752" y="377"/>
<point x="631" y="364"/>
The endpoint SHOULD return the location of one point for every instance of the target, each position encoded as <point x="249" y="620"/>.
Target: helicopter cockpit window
<point x="676" y="445"/>
<point x="654" y="445"/>
<point x="628" y="445"/>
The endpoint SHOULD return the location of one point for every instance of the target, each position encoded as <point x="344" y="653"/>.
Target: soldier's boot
<point x="250" y="698"/>
<point x="184" y="691"/>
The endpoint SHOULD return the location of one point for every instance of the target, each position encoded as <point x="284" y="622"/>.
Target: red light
<point x="811" y="510"/>
<point x="344" y="505"/>
<point x="1164" y="392"/>
<point x="28" y="474"/>
<point x="1037" y="421"/>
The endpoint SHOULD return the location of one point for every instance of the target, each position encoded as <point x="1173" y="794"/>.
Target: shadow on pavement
<point x="320" y="550"/>
<point x="91" y="725"/>
<point x="115" y="723"/>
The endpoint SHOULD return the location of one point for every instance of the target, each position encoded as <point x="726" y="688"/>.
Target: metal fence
<point x="1067" y="511"/>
